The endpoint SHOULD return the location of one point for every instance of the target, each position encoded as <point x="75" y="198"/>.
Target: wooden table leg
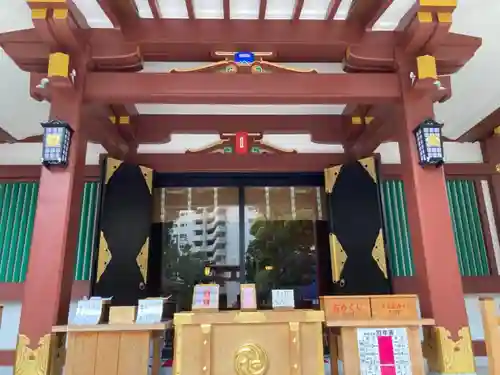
<point x="334" y="353"/>
<point x="350" y="357"/>
<point x="156" y="362"/>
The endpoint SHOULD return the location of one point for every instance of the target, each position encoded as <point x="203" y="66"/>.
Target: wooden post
<point x="47" y="289"/>
<point x="448" y="345"/>
<point x="491" y="334"/>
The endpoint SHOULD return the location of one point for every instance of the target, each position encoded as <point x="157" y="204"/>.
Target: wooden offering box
<point x="112" y="349"/>
<point x="249" y="342"/>
<point x="378" y="324"/>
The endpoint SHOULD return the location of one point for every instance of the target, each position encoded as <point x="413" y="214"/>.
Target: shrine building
<point x="329" y="147"/>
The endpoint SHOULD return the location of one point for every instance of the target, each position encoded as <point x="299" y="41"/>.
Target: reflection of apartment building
<point x="203" y="230"/>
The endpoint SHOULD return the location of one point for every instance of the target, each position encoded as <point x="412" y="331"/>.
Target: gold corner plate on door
<point x="378" y="253"/>
<point x="331" y="175"/>
<point x="338" y="257"/>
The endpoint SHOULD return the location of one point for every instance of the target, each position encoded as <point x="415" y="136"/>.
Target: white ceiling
<point x="476" y="89"/>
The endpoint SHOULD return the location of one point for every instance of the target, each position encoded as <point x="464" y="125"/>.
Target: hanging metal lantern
<point x="429" y="143"/>
<point x="56" y="142"/>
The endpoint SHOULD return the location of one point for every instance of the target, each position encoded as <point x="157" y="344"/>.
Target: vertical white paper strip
<point x="163" y="202"/>
<point x="292" y="202"/>
<point x="216" y="198"/>
<point x="190" y="198"/>
<point x="318" y="203"/>
<point x="268" y="204"/>
<point x="491" y="221"/>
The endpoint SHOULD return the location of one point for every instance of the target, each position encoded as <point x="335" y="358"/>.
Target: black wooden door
<point x="357" y="251"/>
<point x="122" y="255"/>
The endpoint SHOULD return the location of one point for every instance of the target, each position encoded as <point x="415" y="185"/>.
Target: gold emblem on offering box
<point x="251" y="359"/>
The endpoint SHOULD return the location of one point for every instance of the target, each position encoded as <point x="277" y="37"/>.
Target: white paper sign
<point x="384" y="351"/>
<point x="89" y="311"/>
<point x="150" y="311"/>
<point x="283" y="298"/>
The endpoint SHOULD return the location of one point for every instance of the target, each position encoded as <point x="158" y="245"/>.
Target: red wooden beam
<point x="241" y="32"/>
<point x="483" y="129"/>
<point x="241" y="88"/>
<point x="326" y="129"/>
<point x="180" y="40"/>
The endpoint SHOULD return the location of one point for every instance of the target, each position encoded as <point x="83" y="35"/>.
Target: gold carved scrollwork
<point x="251" y="359"/>
<point x="369" y="165"/>
<point x="103" y="258"/>
<point x="112" y="166"/>
<point x="378" y="253"/>
<point x="338" y="257"/>
<point x="445" y="355"/>
<point x="331" y="175"/>
<point x="142" y="260"/>
<point x="33" y="361"/>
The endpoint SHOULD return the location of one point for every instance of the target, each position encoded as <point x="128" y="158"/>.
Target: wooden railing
<point x="491" y="321"/>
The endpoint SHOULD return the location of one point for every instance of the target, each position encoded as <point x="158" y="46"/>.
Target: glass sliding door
<point x="280" y="245"/>
<point x="200" y="241"/>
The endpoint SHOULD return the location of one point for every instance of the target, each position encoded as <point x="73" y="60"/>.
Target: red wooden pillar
<point x="448" y="345"/>
<point x="47" y="289"/>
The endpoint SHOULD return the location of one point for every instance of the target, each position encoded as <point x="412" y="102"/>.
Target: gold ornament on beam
<point x="243" y="62"/>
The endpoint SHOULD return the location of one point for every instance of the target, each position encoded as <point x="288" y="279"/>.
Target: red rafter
<point x="297" y="10"/>
<point x="262" y="9"/>
<point x="363" y="12"/>
<point x="190" y="9"/>
<point x="5" y="137"/>
<point x="379" y="13"/>
<point x="155" y="8"/>
<point x="332" y="9"/>
<point x="120" y="13"/>
<point x="227" y="9"/>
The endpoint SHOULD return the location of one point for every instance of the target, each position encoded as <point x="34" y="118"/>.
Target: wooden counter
<point x="113" y="349"/>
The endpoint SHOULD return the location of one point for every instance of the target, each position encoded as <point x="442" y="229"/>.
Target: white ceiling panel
<point x="19" y="114"/>
<point x="173" y="9"/>
<point x="15" y="16"/>
<point x="244" y="10"/>
<point x="93" y="13"/>
<point x="144" y="9"/>
<point x="314" y="9"/>
<point x="280" y="9"/>
<point x="208" y="9"/>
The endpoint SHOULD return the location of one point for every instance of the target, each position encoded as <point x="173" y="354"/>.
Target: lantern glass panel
<point x="429" y="143"/>
<point x="56" y="143"/>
